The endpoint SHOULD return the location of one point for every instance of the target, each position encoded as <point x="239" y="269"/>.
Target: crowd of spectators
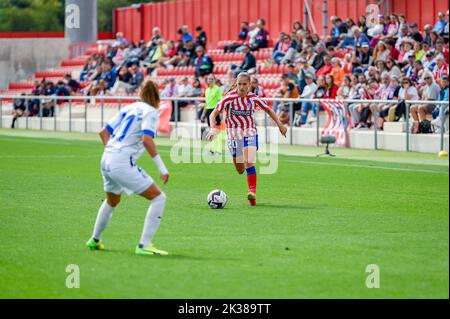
<point x="390" y="60"/>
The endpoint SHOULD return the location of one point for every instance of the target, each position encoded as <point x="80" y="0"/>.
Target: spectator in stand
<point x="304" y="69"/>
<point x="119" y="58"/>
<point x="288" y="90"/>
<point x="381" y="52"/>
<point x="297" y="26"/>
<point x="331" y="87"/>
<point x="365" y="54"/>
<point x="434" y="37"/>
<point x="89" y="69"/>
<point x="347" y="64"/>
<point x="418" y="51"/>
<point x="156" y="54"/>
<point x="170" y="88"/>
<point x="280" y="48"/>
<point x="293" y="50"/>
<point x="445" y="33"/>
<point x="427" y="33"/>
<point x="130" y="79"/>
<point x="242" y="38"/>
<point x="262" y="37"/>
<point x="362" y="24"/>
<point x="326" y="68"/>
<point x="292" y="72"/>
<point x="120" y="38"/>
<point x="318" y="61"/>
<point x="381" y="94"/>
<point x="203" y="63"/>
<point x="344" y="89"/>
<point x="392" y="92"/>
<point x="440" y="114"/>
<point x="419" y="112"/>
<point x="440" y="24"/>
<point x="72" y="85"/>
<point x="156" y="35"/>
<point x="185" y="35"/>
<point x="257" y="87"/>
<point x="440" y="70"/>
<point x="376" y="32"/>
<point x="429" y="61"/>
<point x="105" y="81"/>
<point x="184" y="89"/>
<point x="407" y="92"/>
<point x="414" y="33"/>
<point x="441" y="50"/>
<point x="393" y="52"/>
<point x="393" y="69"/>
<point x="248" y="64"/>
<point x="309" y="92"/>
<point x="200" y="39"/>
<point x="61" y="90"/>
<point x="19" y="109"/>
<point x="337" y="71"/>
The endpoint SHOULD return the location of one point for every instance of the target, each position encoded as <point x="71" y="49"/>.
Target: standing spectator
<point x="203" y="63"/>
<point x="430" y="93"/>
<point x="201" y="38"/>
<point x="242" y="38"/>
<point x="19" y="109"/>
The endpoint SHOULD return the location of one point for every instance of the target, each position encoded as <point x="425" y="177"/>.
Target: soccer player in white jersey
<point x="240" y="105"/>
<point x="126" y="137"/>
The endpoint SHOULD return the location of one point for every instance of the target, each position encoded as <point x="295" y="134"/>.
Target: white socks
<point x="103" y="218"/>
<point x="153" y="219"/>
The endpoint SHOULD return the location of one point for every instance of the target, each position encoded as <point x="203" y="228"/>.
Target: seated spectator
<point x="280" y="48"/>
<point x="185" y="35"/>
<point x="294" y="49"/>
<point x="440" y="70"/>
<point x="393" y="69"/>
<point x="309" y="92"/>
<point x="415" y="34"/>
<point x="156" y="36"/>
<point x="365" y="54"/>
<point x="393" y="52"/>
<point x="429" y="62"/>
<point x="365" y="114"/>
<point x="427" y="31"/>
<point x="200" y="39"/>
<point x="129" y="80"/>
<point x="19" y="109"/>
<point x="331" y="87"/>
<point x="440" y="114"/>
<point x="380" y="53"/>
<point x="337" y="72"/>
<point x="248" y="64"/>
<point x="120" y="38"/>
<point x="440" y="24"/>
<point x="257" y="87"/>
<point x="301" y="75"/>
<point x="292" y="72"/>
<point x="61" y="90"/>
<point x="72" y="85"/>
<point x="318" y="61"/>
<point x="242" y="38"/>
<point x="262" y="36"/>
<point x="407" y="92"/>
<point x="297" y="26"/>
<point x="119" y="58"/>
<point x="326" y="68"/>
<point x="203" y="63"/>
<point x="391" y="93"/>
<point x="289" y="90"/>
<point x="105" y="81"/>
<point x="184" y="89"/>
<point x="170" y="88"/>
<point x="419" y="112"/>
<point x="345" y="87"/>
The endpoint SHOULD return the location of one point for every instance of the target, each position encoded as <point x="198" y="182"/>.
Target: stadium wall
<point x="221" y="19"/>
<point x="20" y="59"/>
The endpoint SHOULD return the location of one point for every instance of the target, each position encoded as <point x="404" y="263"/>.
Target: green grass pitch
<point x="318" y="224"/>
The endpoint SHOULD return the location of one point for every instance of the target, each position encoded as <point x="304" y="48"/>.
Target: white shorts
<point x="121" y="174"/>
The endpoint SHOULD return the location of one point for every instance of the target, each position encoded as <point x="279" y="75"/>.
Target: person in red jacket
<point x="326" y="68"/>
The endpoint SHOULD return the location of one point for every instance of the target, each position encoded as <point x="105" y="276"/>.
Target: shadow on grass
<point x="287" y="206"/>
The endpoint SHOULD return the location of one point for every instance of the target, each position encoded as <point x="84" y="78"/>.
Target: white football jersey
<point x="128" y="127"/>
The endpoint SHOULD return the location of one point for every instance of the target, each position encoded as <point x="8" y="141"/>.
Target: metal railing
<point x="89" y="99"/>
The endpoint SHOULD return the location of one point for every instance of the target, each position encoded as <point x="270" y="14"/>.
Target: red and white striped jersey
<point x="239" y="113"/>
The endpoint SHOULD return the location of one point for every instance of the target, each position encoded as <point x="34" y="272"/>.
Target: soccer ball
<point x="217" y="199"/>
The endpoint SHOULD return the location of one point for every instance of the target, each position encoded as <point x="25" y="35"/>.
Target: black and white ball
<point x="217" y="199"/>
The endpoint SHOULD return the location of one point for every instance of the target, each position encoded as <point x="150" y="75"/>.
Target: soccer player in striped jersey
<point x="126" y="137"/>
<point x="239" y="106"/>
